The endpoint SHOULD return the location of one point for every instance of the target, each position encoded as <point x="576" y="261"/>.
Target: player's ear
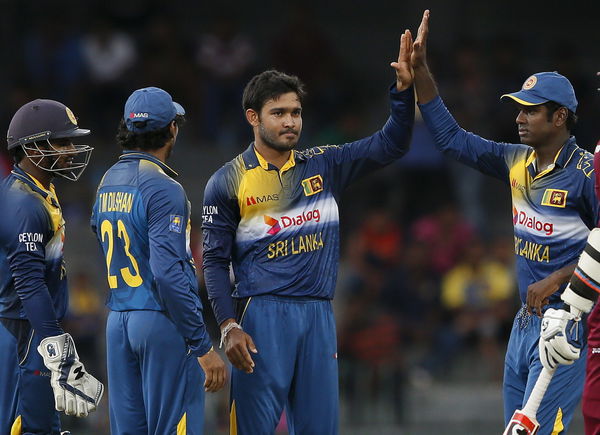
<point x="252" y="117"/>
<point x="561" y="116"/>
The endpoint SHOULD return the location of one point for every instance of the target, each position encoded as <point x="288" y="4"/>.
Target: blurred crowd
<point x="427" y="249"/>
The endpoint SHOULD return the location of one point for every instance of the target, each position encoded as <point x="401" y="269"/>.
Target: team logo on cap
<point x="530" y="83"/>
<point x="71" y="116"/>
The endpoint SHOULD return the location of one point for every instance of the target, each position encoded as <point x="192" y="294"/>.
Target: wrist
<point x="212" y="349"/>
<point x="226" y="329"/>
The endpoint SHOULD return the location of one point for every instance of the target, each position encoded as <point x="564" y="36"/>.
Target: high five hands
<point x="412" y="54"/>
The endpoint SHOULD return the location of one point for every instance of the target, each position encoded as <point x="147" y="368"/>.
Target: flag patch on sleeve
<point x="176" y="223"/>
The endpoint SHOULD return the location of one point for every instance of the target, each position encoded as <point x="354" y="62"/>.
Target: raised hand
<point x="404" y="72"/>
<point x="418" y="57"/>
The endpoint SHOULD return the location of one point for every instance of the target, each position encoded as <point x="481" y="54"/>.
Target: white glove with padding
<point x="559" y="338"/>
<point x="76" y="392"/>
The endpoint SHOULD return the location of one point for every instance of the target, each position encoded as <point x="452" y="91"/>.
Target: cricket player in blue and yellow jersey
<point x="553" y="207"/>
<point x="156" y="340"/>
<point x="273" y="213"/>
<point x="40" y="372"/>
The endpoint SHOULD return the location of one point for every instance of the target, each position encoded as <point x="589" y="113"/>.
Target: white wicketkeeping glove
<point x="76" y="392"/>
<point x="559" y="338"/>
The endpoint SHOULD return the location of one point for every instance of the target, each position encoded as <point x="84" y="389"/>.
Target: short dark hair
<point x="553" y="107"/>
<point x="149" y="141"/>
<point x="269" y="85"/>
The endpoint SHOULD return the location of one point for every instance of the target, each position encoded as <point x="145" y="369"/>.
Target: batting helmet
<point x="44" y="121"/>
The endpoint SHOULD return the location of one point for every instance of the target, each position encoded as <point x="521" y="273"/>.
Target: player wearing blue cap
<point x="40" y="371"/>
<point x="272" y="212"/>
<point x="554" y="208"/>
<point x="158" y="350"/>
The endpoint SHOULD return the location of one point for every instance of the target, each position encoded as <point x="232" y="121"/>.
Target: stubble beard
<point x="271" y="141"/>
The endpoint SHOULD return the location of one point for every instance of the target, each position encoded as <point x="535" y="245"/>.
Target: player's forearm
<point x="397" y="131"/>
<point x="218" y="287"/>
<point x="425" y="85"/>
<point x="216" y="258"/>
<point x="30" y="285"/>
<point x="178" y="298"/>
<point x="562" y="275"/>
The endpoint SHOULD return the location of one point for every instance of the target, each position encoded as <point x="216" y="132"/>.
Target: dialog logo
<point x="532" y="222"/>
<point x="286" y="221"/>
<point x="273" y="224"/>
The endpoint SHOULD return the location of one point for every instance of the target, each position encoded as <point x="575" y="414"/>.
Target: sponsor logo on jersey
<point x="312" y="185"/>
<point x="273" y="224"/>
<point x="532" y="222"/>
<point x="253" y="200"/>
<point x="30" y="240"/>
<point x="176" y="223"/>
<point x="595" y="349"/>
<point x="207" y="213"/>
<point x="516" y="185"/>
<point x="555" y="198"/>
<point x="277" y="225"/>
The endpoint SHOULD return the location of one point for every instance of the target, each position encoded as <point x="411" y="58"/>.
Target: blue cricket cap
<point x="150" y="109"/>
<point x="543" y="87"/>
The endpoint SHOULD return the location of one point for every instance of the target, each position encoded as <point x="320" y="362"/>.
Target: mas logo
<point x="253" y="200"/>
<point x="312" y="185"/>
<point x="555" y="198"/>
<point x="516" y="185"/>
<point x="532" y="222"/>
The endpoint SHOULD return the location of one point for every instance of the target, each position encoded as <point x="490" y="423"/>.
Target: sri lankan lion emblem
<point x="530" y="82"/>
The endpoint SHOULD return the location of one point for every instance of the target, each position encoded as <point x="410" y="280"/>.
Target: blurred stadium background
<point x="426" y="292"/>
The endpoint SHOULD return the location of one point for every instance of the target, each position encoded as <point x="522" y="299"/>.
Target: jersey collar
<point x="141" y="155"/>
<point x="48" y="194"/>
<point x="562" y="158"/>
<point x="253" y="159"/>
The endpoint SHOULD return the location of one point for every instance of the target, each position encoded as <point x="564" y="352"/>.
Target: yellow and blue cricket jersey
<point x="33" y="299"/>
<point x="553" y="211"/>
<point x="280" y="228"/>
<point x="141" y="218"/>
<point x="33" y="282"/>
<point x="155" y="329"/>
